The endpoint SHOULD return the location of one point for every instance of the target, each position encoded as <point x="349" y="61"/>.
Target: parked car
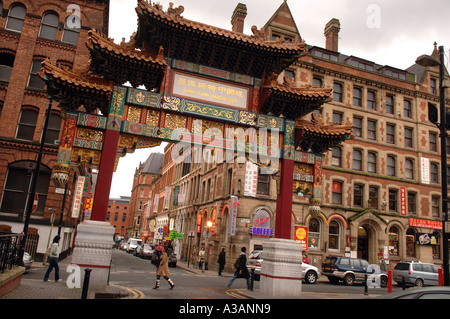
<point x="132" y="244"/>
<point x="146" y="251"/>
<point x="124" y="246"/>
<point x="350" y="270"/>
<point x="416" y="273"/>
<point x="173" y="260"/>
<point x="27" y="260"/>
<point x="433" y="293"/>
<point x="310" y="273"/>
<point x="137" y="251"/>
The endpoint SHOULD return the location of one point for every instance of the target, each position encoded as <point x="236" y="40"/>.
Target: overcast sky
<point x="387" y="32"/>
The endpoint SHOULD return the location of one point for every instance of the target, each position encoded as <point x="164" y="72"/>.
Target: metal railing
<point x="9" y="251"/>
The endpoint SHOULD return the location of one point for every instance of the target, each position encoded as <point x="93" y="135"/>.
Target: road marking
<point x="235" y="293"/>
<point x="137" y="294"/>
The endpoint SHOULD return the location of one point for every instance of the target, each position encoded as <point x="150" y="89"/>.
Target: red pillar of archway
<point x="108" y="157"/>
<point x="284" y="201"/>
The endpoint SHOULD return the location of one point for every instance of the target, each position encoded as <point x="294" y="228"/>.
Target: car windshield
<point x="255" y="255"/>
<point x="330" y="260"/>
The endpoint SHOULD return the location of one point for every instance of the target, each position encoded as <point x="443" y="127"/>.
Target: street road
<point x="136" y="273"/>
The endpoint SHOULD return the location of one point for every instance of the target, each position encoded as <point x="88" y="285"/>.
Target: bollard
<point x="252" y="279"/>
<point x="366" y="288"/>
<point x="403" y="283"/>
<point x="389" y="281"/>
<point x="441" y="277"/>
<point x="87" y="275"/>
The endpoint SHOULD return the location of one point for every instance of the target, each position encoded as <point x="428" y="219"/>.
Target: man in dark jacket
<point x="241" y="269"/>
<point x="221" y="261"/>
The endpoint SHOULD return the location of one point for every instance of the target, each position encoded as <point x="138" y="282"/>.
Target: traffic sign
<point x="35" y="203"/>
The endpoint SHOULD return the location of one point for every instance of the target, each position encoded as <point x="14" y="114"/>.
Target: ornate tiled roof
<point x="173" y="16"/>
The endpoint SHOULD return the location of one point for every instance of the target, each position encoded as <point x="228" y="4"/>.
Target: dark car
<point x="173" y="260"/>
<point x="351" y="270"/>
<point x="146" y="251"/>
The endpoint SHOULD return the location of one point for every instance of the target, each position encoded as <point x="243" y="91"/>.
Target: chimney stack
<point x="238" y="17"/>
<point x="332" y="34"/>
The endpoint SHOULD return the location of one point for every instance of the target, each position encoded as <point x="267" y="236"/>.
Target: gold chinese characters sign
<point x="214" y="92"/>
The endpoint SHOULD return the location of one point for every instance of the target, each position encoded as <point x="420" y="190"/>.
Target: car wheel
<point x="383" y="281"/>
<point x="311" y="277"/>
<point x="349" y="280"/>
<point x="418" y="283"/>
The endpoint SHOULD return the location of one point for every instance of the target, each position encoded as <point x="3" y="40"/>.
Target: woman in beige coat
<point x="163" y="270"/>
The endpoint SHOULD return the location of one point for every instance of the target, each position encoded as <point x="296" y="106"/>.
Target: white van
<point x="132" y="244"/>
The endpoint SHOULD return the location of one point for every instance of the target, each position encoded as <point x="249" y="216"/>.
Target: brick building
<point x="118" y="214"/>
<point x="381" y="189"/>
<point x="31" y="32"/>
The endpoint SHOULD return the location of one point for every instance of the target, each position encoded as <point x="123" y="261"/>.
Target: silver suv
<point x="416" y="273"/>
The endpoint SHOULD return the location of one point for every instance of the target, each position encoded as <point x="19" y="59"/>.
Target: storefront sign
<point x="425" y="223"/>
<point x="403" y="201"/>
<point x="301" y="235"/>
<point x="425" y="169"/>
<point x="251" y="179"/>
<point x="234" y="202"/>
<point x="77" y="203"/>
<point x="426" y="239"/>
<point x="262" y="231"/>
<point x="199" y="221"/>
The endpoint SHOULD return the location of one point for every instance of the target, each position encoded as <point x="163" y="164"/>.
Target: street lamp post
<point x="426" y="60"/>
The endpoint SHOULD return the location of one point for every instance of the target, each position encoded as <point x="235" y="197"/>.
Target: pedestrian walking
<point x="54" y="256"/>
<point x="195" y="257"/>
<point x="201" y="257"/>
<point x="241" y="269"/>
<point x="221" y="261"/>
<point x="163" y="270"/>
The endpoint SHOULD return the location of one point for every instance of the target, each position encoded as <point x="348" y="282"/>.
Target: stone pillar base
<point x="93" y="250"/>
<point x="281" y="270"/>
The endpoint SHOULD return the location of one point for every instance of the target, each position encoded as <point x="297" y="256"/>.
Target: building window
<point x="357" y="96"/>
<point x="27" y="124"/>
<point x="108" y="215"/>
<point x="408" y="137"/>
<point x="390" y="165"/>
<point x="407" y="109"/>
<point x="337" y="117"/>
<point x="54" y="125"/>
<point x="394" y="241"/>
<point x="358" y="191"/>
<point x="333" y="235"/>
<point x="337" y="92"/>
<point x="410" y="243"/>
<point x="357" y="160"/>
<point x="371" y="100"/>
<point x="17" y="187"/>
<point x="317" y="82"/>
<point x="336" y="157"/>
<point x="372" y="162"/>
<point x="435" y="206"/>
<point x="35" y="82"/>
<point x="71" y="31"/>
<point x="263" y="184"/>
<point x="124" y="217"/>
<point x="393" y="194"/>
<point x="433" y="86"/>
<point x="337" y="193"/>
<point x="289" y="74"/>
<point x="390" y="104"/>
<point x="412" y="203"/>
<point x="373" y="197"/>
<point x="49" y="25"/>
<point x="372" y="130"/>
<point x="409" y="169"/>
<point x="390" y="133"/>
<point x="116" y="216"/>
<point x="357" y="126"/>
<point x="314" y="234"/>
<point x="434" y="173"/>
<point x="6" y="65"/>
<point x="432" y="140"/>
<point x="16" y="17"/>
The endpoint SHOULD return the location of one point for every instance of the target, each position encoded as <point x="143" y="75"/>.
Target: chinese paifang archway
<point x="191" y="77"/>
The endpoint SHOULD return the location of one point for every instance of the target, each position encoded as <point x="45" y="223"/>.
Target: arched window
<point x="16" y="17"/>
<point x="18" y="184"/>
<point x="49" y="25"/>
<point x="71" y="31"/>
<point x="6" y="65"/>
<point x="394" y="241"/>
<point x="410" y="243"/>
<point x="35" y="82"/>
<point x="334" y="235"/>
<point x="314" y="234"/>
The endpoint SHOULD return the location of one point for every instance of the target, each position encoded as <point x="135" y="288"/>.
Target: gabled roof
<point x="153" y="164"/>
<point x="284" y="15"/>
